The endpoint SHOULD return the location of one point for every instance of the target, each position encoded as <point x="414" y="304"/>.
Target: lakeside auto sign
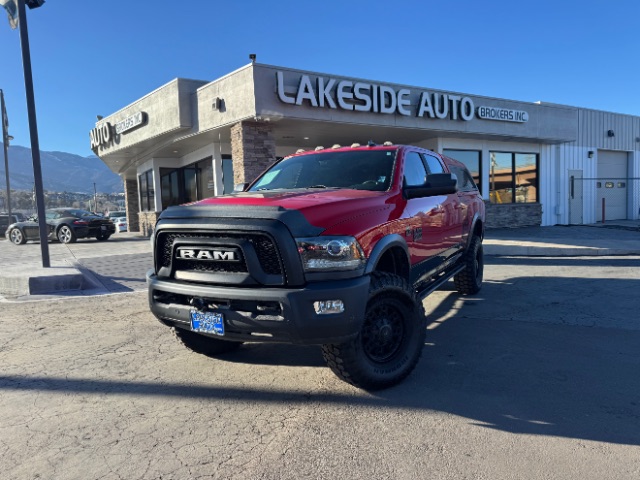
<point x="370" y="97"/>
<point x="103" y="134"/>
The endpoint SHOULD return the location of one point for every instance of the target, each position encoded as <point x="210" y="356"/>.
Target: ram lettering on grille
<point x="207" y="254"/>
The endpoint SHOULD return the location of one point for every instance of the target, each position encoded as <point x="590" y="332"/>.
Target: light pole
<point x="95" y="198"/>
<point x="5" y="142"/>
<point x="33" y="124"/>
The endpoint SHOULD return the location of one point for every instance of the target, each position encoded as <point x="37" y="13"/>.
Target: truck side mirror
<point x="436" y="184"/>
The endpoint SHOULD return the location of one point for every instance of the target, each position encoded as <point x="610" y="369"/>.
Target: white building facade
<point x="535" y="163"/>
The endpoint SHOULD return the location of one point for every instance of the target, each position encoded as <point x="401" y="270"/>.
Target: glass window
<point x="170" y="185"/>
<point x="227" y="175"/>
<point x="471" y="160"/>
<point x="147" y="192"/>
<point x="465" y="182"/>
<point x="526" y="177"/>
<point x="205" y="178"/>
<point x="434" y="164"/>
<point x="414" y="171"/>
<point x="513" y="177"/>
<point x="144" y="205"/>
<point x="190" y="185"/>
<point x="187" y="184"/>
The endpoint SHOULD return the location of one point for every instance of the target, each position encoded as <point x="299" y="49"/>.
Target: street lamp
<point x="6" y="138"/>
<point x="21" y="20"/>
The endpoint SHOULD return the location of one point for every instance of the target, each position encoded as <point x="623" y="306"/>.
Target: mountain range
<point x="61" y="172"/>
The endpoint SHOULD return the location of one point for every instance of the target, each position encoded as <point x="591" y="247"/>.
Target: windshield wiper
<point x="318" y="186"/>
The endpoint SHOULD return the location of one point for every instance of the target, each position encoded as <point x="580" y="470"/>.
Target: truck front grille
<point x="263" y="244"/>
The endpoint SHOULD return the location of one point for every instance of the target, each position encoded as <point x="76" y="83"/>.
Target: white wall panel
<point x="594" y="124"/>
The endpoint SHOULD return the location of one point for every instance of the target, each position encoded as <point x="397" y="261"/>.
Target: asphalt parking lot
<point x="535" y="377"/>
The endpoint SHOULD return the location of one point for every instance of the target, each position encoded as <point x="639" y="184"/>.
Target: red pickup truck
<point x="334" y="247"/>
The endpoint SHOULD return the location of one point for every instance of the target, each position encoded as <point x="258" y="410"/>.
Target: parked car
<point x="5" y="222"/>
<point x="120" y="223"/>
<point x="64" y="224"/>
<point x="118" y="214"/>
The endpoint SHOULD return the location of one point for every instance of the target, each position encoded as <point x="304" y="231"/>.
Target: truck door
<point x="450" y="227"/>
<point x="423" y="216"/>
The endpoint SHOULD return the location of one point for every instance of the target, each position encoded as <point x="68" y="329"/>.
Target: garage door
<point x="612" y="185"/>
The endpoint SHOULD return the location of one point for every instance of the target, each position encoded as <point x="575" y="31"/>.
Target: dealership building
<point x="534" y="163"/>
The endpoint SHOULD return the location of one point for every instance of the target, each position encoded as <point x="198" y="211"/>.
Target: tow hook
<point x="198" y="303"/>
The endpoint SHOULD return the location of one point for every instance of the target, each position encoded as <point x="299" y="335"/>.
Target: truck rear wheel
<point x="203" y="344"/>
<point x="390" y="342"/>
<point x="469" y="280"/>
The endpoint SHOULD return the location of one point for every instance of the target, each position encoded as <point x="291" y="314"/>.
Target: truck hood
<point x="321" y="208"/>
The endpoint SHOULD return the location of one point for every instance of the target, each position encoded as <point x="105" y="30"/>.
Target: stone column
<point x="253" y="149"/>
<point x="132" y="205"/>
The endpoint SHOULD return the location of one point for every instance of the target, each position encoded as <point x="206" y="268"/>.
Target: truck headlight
<point x="326" y="254"/>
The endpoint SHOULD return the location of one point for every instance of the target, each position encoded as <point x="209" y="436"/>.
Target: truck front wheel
<point x="390" y="341"/>
<point x="203" y="344"/>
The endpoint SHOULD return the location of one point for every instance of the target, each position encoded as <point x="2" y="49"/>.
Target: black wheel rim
<point x="382" y="332"/>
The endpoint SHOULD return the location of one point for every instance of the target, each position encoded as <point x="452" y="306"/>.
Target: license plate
<point x="103" y="228"/>
<point x="207" y="322"/>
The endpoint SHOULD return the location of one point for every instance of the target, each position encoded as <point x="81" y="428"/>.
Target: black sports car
<point x="65" y="225"/>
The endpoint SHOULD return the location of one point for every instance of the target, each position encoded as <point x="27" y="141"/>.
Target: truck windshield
<point x="360" y="169"/>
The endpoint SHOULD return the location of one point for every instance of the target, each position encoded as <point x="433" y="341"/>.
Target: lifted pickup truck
<point x="333" y="247"/>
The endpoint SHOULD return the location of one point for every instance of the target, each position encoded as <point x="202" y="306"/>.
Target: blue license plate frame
<point x="207" y="322"/>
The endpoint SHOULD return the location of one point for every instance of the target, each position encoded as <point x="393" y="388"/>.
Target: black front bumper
<point x="283" y="315"/>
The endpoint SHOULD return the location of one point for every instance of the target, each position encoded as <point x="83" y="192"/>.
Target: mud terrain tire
<point x="390" y="341"/>
<point x="469" y="280"/>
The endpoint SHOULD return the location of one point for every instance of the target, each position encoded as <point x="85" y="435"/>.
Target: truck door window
<point x="434" y="164"/>
<point x="414" y="171"/>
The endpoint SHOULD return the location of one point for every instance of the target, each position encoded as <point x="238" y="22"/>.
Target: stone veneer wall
<point x="147" y="222"/>
<point x="132" y="205"/>
<point x="513" y="215"/>
<point x="253" y="149"/>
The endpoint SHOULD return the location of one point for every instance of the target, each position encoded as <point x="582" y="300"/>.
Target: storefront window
<point x="147" y="192"/>
<point x="170" y="188"/>
<point x="227" y="175"/>
<point x="190" y="185"/>
<point x="471" y="159"/>
<point x="513" y="177"/>
<point x="205" y="179"/>
<point x="187" y="184"/>
<point x="526" y="178"/>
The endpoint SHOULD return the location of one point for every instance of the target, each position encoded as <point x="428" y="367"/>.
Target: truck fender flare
<point x="390" y="241"/>
<point x="474" y="222"/>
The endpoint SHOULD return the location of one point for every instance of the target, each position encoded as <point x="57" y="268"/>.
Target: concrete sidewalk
<point x="614" y="238"/>
<point x="86" y="267"/>
<point x="119" y="265"/>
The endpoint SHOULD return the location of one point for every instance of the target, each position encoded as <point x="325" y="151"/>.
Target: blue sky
<point x="94" y="57"/>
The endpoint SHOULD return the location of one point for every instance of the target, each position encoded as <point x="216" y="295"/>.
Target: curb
<point x="14" y="281"/>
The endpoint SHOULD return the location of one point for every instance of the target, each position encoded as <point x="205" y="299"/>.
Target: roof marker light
<point x="336" y="145"/>
<point x="387" y="143"/>
<point x="355" y="145"/>
<point x="319" y="147"/>
<point x="300" y="150"/>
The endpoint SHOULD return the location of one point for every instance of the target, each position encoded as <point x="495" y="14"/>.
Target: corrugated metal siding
<point x="547" y="176"/>
<point x="556" y="161"/>
<point x="635" y="173"/>
<point x="593" y="126"/>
